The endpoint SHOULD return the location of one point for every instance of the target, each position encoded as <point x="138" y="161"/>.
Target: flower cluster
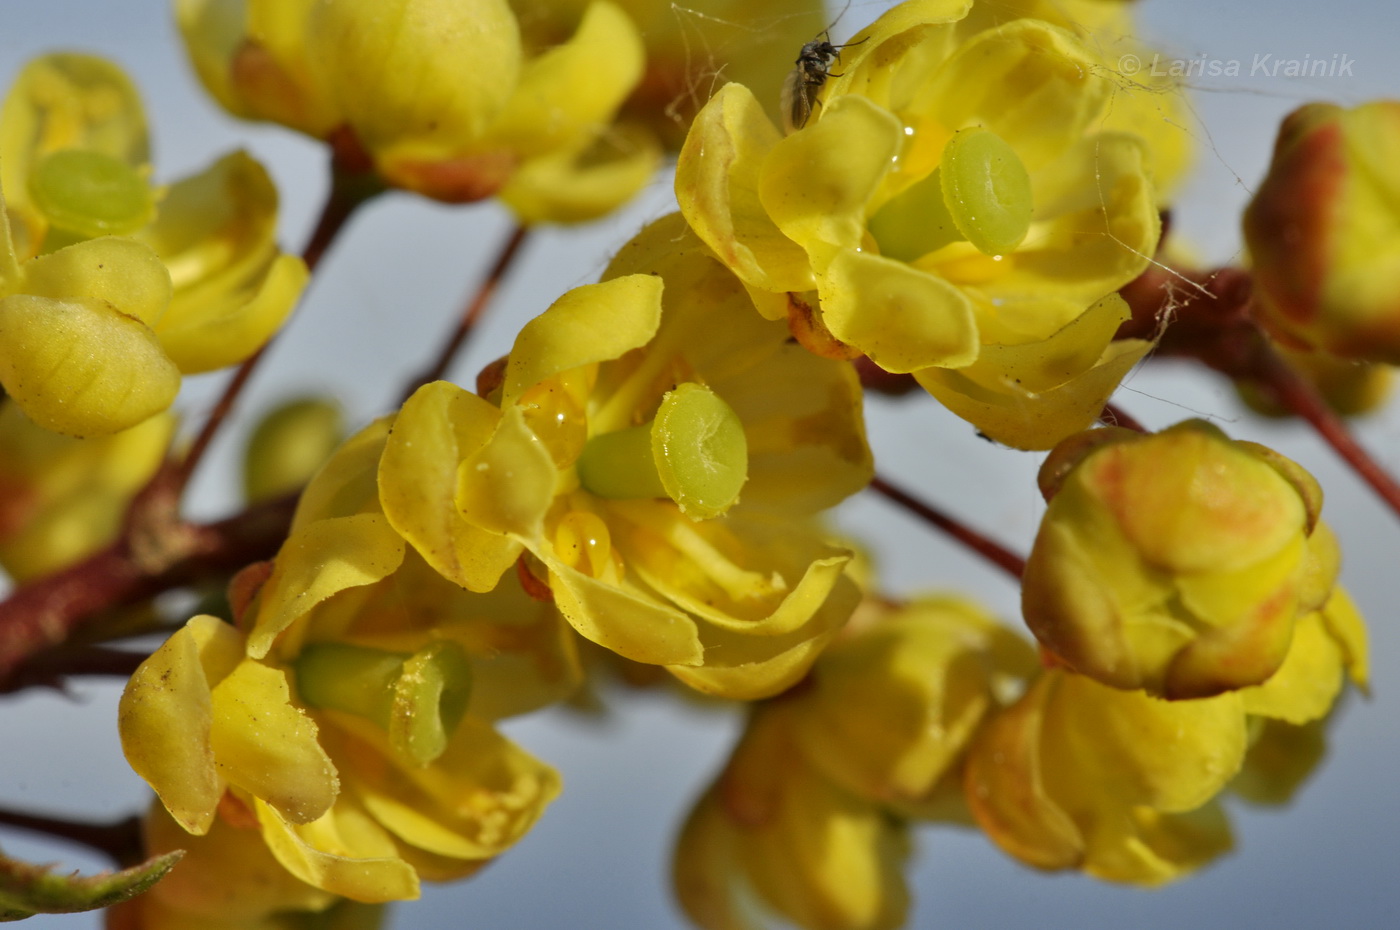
<point x="957" y="195"/>
<point x="111" y="289"/>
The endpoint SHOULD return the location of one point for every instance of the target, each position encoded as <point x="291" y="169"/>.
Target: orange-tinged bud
<point x="1175" y="562"/>
<point x="1324" y="231"/>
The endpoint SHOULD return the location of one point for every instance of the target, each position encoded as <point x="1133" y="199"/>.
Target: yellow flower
<point x="659" y="450"/>
<point x="774" y="829"/>
<point x="1175" y="562"/>
<point x="945" y="196"/>
<point x="1125" y="786"/>
<point x="351" y="716"/>
<point x="62" y="499"/>
<point x="1077" y="775"/>
<point x="110" y="289"/>
<point x="438" y="96"/>
<point x="808" y="816"/>
<point x="1324" y="232"/>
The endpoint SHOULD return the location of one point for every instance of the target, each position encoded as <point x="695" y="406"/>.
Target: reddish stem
<point x="1298" y="394"/>
<point x="474" y="308"/>
<point x="993" y="552"/>
<point x="48" y="611"/>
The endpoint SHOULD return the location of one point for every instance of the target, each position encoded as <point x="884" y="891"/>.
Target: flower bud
<point x="1175" y="562"/>
<point x="1323" y="232"/>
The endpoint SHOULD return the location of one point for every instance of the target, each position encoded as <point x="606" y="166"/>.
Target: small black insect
<point x="805" y="81"/>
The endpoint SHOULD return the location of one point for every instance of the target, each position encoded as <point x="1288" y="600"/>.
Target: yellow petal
<point x="265" y="745"/>
<point x="507" y="486"/>
<point x="592" y="323"/>
<point x="423" y="75"/>
<point x="437" y="428"/>
<point x="345" y="853"/>
<point x="317" y="561"/>
<point x="569" y="93"/>
<point x="635" y="627"/>
<point x="475" y="801"/>
<point x="121" y="273"/>
<point x="166" y="717"/>
<point x="233" y="289"/>
<point x="582" y="183"/>
<point x="81" y="367"/>
<point x="816" y="184"/>
<point x="904" y="319"/>
<point x="717" y="185"/>
<point x="1307" y="682"/>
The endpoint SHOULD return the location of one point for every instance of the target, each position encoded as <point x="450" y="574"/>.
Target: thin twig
<point x="474" y="308"/>
<point x="993" y="552"/>
<point x="1298" y="394"/>
<point x="47" y="611"/>
<point x="119" y="840"/>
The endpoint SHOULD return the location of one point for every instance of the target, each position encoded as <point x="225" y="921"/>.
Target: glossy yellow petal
<point x="166" y="718"/>
<point x="345" y="853"/>
<point x="803" y="419"/>
<point x="570" y="92"/>
<point x="816" y="184"/>
<point x="1027" y="81"/>
<point x="437" y="428"/>
<point x="347" y="483"/>
<point x="81" y="367"/>
<point x="1094" y="231"/>
<point x="717" y="184"/>
<point x="904" y="319"/>
<point x="1348" y="629"/>
<point x="507" y="485"/>
<point x="635" y="627"/>
<point x="773" y="654"/>
<point x="318" y="561"/>
<point x="592" y="323"/>
<point x="1148" y="847"/>
<point x="892" y="708"/>
<point x="1034" y="395"/>
<point x="268" y="747"/>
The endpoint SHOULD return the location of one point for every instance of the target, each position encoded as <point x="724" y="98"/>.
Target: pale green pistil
<point x="91" y="194"/>
<point x="694" y="452"/>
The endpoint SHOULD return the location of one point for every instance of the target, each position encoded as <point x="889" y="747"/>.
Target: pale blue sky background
<point x="599" y="858"/>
